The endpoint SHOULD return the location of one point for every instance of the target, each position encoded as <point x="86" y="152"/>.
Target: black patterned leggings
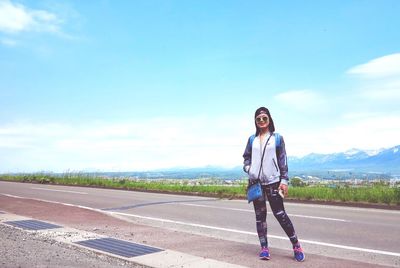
<point x="276" y="203"/>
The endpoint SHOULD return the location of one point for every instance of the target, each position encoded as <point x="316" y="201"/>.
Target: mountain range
<point x="380" y="161"/>
<point x="354" y="163"/>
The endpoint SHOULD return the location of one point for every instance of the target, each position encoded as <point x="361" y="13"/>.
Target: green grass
<point x="376" y="194"/>
<point x="367" y="194"/>
<point x="172" y="186"/>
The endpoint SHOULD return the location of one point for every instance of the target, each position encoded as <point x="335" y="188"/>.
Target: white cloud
<point x="300" y="99"/>
<point x="150" y="144"/>
<point x="362" y="131"/>
<point x="176" y="142"/>
<point x="358" y="115"/>
<point x="368" y="119"/>
<point x="382" y="94"/>
<point x="382" y="90"/>
<point x="379" y="78"/>
<point x="383" y="67"/>
<point x="15" y="18"/>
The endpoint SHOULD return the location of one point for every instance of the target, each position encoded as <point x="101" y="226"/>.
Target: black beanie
<point x="263" y="110"/>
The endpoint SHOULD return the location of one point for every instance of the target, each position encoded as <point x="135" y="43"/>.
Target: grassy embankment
<point x="375" y="194"/>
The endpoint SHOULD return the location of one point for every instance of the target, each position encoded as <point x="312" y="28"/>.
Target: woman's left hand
<point x="284" y="189"/>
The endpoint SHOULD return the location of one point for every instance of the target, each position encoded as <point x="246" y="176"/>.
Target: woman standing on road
<point x="271" y="168"/>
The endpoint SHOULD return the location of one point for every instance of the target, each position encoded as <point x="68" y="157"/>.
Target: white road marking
<point x="334" y="207"/>
<point x="396" y="254"/>
<point x="252" y="211"/>
<point x="342" y="208"/>
<point x="54" y="202"/>
<point x="53" y="190"/>
<point x="382" y="252"/>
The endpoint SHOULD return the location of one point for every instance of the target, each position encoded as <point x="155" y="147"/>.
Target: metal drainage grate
<point x="119" y="247"/>
<point x="32" y="224"/>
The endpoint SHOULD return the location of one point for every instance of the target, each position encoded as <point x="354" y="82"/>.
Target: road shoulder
<point x="204" y="247"/>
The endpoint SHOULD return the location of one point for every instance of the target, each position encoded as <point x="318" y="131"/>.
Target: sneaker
<point x="264" y="253"/>
<point x="298" y="253"/>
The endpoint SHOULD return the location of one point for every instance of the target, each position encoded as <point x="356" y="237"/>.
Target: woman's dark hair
<point x="271" y="126"/>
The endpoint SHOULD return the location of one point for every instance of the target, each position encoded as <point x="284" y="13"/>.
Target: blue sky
<point x="139" y="85"/>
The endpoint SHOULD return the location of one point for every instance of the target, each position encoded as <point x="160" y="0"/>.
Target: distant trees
<point x="297" y="182"/>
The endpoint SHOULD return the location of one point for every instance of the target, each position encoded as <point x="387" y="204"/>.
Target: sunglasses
<point x="260" y="119"/>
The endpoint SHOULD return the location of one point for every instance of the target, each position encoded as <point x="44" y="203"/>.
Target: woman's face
<point x="262" y="120"/>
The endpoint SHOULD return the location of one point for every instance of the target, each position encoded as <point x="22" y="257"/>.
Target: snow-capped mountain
<point x="382" y="160"/>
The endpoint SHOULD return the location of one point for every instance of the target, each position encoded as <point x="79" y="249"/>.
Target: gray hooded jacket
<point x="274" y="167"/>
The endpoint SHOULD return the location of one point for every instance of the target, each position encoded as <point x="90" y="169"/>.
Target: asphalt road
<point x="357" y="234"/>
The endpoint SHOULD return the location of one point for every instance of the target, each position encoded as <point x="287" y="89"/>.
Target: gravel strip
<point x="29" y="249"/>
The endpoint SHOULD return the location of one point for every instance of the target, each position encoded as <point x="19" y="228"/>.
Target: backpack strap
<point x="277" y="140"/>
<point x="252" y="137"/>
